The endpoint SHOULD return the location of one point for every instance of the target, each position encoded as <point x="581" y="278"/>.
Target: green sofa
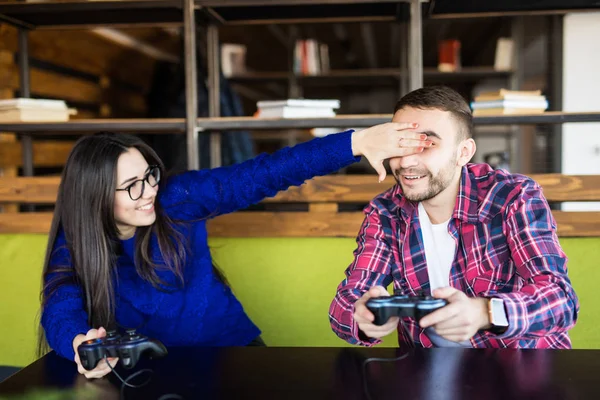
<point x="286" y="286"/>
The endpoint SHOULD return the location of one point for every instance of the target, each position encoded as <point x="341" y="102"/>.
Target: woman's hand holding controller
<point x="102" y="368"/>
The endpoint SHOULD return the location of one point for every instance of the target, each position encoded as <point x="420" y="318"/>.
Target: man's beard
<point x="437" y="184"/>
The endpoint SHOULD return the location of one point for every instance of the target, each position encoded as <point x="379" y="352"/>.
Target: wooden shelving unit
<point x="39" y="14"/>
<point x="79" y="14"/>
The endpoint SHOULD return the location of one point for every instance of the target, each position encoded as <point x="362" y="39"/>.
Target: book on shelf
<point x="509" y="97"/>
<point x="518" y="103"/>
<point x="312" y="103"/>
<point x="449" y="55"/>
<point x="297" y="108"/>
<point x="311" y="57"/>
<point x="509" y="102"/>
<point x="506" y="111"/>
<point x="34" y="110"/>
<point x="296" y="112"/>
<point x="35" y="115"/>
<point x="502" y="93"/>
<point x="26" y="103"/>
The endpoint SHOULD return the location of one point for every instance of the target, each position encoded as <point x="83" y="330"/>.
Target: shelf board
<point x="177" y="125"/>
<point x="80" y="13"/>
<point x="83" y="13"/>
<point x="259" y="76"/>
<point x="550" y="117"/>
<point x="174" y="125"/>
<point x="243" y="123"/>
<point x="288" y="11"/>
<point x="475" y="9"/>
<point x="360" y="121"/>
<point x="341" y="75"/>
<point x="466" y="73"/>
<point x="249" y="12"/>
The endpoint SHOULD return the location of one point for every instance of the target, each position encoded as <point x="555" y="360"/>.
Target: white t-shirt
<point x="440" y="248"/>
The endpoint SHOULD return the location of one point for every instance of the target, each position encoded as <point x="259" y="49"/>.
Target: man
<point x="482" y="239"/>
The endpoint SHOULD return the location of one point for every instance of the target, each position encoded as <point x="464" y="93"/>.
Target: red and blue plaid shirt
<point x="507" y="248"/>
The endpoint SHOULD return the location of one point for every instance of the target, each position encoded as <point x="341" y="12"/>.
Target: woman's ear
<point x="466" y="151"/>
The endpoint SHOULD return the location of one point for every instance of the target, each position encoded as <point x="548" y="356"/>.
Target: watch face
<point x="499" y="317"/>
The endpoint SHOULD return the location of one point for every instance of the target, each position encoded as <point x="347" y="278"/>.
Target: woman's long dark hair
<point x="85" y="212"/>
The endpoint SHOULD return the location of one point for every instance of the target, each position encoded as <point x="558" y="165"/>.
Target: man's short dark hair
<point x="441" y="98"/>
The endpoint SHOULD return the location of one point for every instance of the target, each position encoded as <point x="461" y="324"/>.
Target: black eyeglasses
<point x="136" y="188"/>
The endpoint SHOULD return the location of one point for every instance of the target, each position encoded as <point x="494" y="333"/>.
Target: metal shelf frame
<point x="211" y="125"/>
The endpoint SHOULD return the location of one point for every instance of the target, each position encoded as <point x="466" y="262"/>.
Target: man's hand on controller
<point x="364" y="318"/>
<point x="102" y="368"/>
<point x="461" y="318"/>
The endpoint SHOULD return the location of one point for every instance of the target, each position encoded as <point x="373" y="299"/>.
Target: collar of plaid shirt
<point x="467" y="204"/>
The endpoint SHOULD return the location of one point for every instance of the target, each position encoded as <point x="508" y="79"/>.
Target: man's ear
<point x="466" y="151"/>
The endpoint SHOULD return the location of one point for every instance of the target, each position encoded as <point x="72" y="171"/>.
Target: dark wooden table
<point x="333" y="373"/>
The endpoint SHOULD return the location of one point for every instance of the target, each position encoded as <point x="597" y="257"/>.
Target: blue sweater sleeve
<point x="64" y="315"/>
<point x="212" y="192"/>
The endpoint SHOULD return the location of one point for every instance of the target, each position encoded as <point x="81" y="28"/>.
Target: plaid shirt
<point x="507" y="248"/>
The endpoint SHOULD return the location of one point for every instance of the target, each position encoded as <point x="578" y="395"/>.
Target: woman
<point x="127" y="249"/>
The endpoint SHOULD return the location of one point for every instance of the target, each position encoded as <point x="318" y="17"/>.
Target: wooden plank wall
<point x="6" y="139"/>
<point x="92" y="74"/>
<point x="324" y="219"/>
<point x="323" y="197"/>
<point x="82" y="68"/>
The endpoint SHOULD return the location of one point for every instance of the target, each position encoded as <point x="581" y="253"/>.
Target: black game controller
<point x="403" y="306"/>
<point x="129" y="348"/>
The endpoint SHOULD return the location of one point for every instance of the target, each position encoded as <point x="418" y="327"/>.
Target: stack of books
<point x="311" y="58"/>
<point x="34" y="110"/>
<point x="509" y="102"/>
<point x="297" y="108"/>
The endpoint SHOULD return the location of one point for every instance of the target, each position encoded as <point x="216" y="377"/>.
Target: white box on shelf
<point x="233" y="59"/>
<point x="504" y="54"/>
